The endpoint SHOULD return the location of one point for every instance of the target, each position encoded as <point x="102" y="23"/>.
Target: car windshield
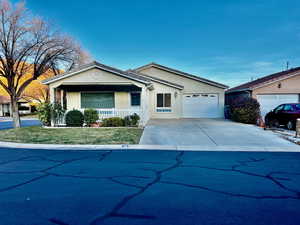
<point x="297" y="106"/>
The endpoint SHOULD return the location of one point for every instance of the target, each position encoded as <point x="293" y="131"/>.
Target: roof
<point x="156" y="79"/>
<point x="98" y="65"/>
<point x="180" y="73"/>
<point x="265" y="80"/>
<point x="4" y="99"/>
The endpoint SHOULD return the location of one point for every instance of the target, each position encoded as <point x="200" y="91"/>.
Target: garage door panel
<point x="269" y="102"/>
<point x="200" y="106"/>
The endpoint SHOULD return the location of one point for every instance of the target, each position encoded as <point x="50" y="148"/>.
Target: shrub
<point x="90" y="116"/>
<point x="131" y="120"/>
<point x="57" y="112"/>
<point x="74" y="118"/>
<point x="44" y="113"/>
<point x="245" y="110"/>
<point x="113" y="122"/>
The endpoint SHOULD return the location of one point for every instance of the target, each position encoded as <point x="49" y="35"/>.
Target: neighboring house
<point x="270" y="91"/>
<point x="5" y="109"/>
<point x="152" y="91"/>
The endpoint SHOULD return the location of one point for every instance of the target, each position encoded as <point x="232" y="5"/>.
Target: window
<point x="163" y="100"/>
<point x="97" y="100"/>
<point x="297" y="106"/>
<point x="287" y="108"/>
<point x="279" y="108"/>
<point x="135" y="99"/>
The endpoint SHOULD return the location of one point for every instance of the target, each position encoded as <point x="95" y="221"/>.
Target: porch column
<point x="144" y="105"/>
<point x="52" y="94"/>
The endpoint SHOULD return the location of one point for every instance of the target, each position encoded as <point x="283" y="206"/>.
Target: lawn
<point x="99" y="136"/>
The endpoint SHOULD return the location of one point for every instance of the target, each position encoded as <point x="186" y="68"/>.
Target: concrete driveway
<point x="210" y="133"/>
<point x="148" y="187"/>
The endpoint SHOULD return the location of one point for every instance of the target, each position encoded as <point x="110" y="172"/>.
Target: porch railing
<point x="108" y="113"/>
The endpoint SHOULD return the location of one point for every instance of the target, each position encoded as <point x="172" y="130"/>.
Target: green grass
<point x="99" y="136"/>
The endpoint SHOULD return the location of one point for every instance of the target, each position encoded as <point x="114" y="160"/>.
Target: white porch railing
<point x="108" y="113"/>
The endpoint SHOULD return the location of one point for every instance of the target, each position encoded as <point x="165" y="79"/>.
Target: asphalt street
<point x="24" y="123"/>
<point x="148" y="187"/>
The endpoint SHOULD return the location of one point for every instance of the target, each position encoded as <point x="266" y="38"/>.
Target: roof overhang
<point x="180" y="73"/>
<point x="89" y="67"/>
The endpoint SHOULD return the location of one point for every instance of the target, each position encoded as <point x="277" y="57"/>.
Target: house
<point x="5" y="109"/>
<point x="152" y="91"/>
<point x="270" y="91"/>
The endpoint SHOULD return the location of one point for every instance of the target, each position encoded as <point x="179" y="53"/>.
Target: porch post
<point x="144" y="106"/>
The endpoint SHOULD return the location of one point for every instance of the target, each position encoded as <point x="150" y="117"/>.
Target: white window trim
<point x="129" y="96"/>
<point x="163" y="108"/>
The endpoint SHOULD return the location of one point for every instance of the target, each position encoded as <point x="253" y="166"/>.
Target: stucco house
<point x="5" y="106"/>
<point x="152" y="91"/>
<point x="270" y="91"/>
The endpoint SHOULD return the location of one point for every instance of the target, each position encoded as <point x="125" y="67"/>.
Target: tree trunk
<point x="15" y="112"/>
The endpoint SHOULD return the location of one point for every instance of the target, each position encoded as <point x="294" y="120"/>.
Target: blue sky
<point x="229" y="41"/>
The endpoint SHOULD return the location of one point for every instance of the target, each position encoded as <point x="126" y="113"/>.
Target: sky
<point x="228" y="41"/>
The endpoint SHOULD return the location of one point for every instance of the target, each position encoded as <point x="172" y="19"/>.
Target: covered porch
<point x="109" y="100"/>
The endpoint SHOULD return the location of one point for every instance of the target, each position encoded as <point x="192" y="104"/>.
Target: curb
<point x="228" y="148"/>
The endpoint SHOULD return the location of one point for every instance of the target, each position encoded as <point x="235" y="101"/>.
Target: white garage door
<point x="269" y="102"/>
<point x="201" y="106"/>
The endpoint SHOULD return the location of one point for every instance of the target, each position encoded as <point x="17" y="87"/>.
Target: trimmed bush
<point x="246" y="110"/>
<point x="131" y="120"/>
<point x="90" y="116"/>
<point x="74" y="118"/>
<point x="113" y="122"/>
<point x="44" y="113"/>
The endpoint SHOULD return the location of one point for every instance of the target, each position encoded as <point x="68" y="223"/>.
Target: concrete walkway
<point x="211" y="133"/>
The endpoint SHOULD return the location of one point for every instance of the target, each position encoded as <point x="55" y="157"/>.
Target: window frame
<point x="97" y="92"/>
<point x="130" y="98"/>
<point x="163" y="108"/>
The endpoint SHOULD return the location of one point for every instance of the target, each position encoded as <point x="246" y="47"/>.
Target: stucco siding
<point x="190" y="87"/>
<point x="94" y="76"/>
<point x="73" y="100"/>
<point x="288" y="86"/>
<point x="122" y="100"/>
<point x="176" y="102"/>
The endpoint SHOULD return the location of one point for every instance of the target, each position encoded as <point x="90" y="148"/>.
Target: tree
<point x="29" y="48"/>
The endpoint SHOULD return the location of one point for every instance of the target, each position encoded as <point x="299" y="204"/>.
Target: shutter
<point x="97" y="100"/>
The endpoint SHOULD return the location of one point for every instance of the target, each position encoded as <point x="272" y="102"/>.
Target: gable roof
<point x="4" y="99"/>
<point x="101" y="66"/>
<point x="265" y="80"/>
<point x="168" y="83"/>
<point x="181" y="73"/>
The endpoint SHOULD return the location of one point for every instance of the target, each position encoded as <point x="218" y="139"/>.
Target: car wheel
<point x="290" y="125"/>
<point x="274" y="123"/>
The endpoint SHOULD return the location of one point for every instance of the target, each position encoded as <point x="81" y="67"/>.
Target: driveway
<point x="210" y="133"/>
<point x="148" y="187"/>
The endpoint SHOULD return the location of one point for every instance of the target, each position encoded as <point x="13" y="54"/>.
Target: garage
<point x="270" y="101"/>
<point x="201" y="106"/>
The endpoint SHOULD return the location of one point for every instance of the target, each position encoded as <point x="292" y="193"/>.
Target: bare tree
<point x="29" y="45"/>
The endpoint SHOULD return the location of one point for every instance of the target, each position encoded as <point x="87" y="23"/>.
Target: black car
<point x="285" y="114"/>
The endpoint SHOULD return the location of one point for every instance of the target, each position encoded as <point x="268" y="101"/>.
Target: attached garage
<point x="270" y="91"/>
<point x="270" y="101"/>
<point x="201" y="106"/>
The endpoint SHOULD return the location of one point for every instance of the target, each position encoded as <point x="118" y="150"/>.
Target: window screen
<point x="160" y="100"/>
<point x="163" y="100"/>
<point x="135" y="99"/>
<point x="97" y="100"/>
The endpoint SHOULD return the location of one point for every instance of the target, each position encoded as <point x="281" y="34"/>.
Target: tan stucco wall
<point x="122" y="100"/>
<point x="190" y="86"/>
<point x="175" y="102"/>
<point x="73" y="100"/>
<point x="288" y="86"/>
<point x="94" y="76"/>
